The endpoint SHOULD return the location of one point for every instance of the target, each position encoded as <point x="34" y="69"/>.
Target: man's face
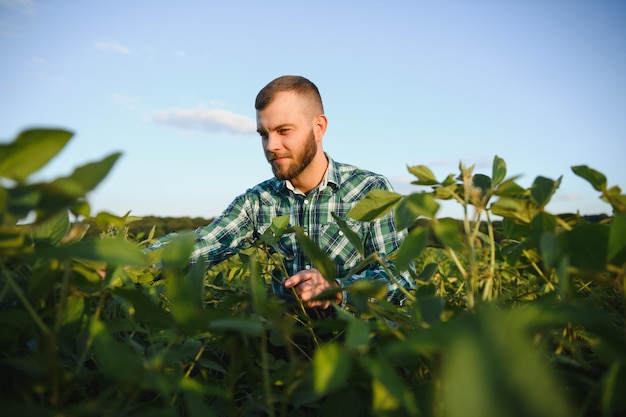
<point x="288" y="137"/>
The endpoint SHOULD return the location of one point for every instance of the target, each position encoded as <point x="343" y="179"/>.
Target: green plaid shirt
<point x="251" y="214"/>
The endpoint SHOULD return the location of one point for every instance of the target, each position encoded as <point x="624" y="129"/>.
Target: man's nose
<point x="272" y="142"/>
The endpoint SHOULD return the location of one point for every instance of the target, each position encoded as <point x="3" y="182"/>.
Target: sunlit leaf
<point x="74" y="309"/>
<point x="358" y="333"/>
<point x="411" y="247"/>
<point x="115" y="252"/>
<point x="31" y="150"/>
<point x="279" y="224"/>
<point x="510" y="188"/>
<point x="493" y="369"/>
<point x="389" y="392"/>
<point x="498" y="171"/>
<point x="543" y="189"/>
<point x="88" y="176"/>
<point x="512" y="208"/>
<point x="409" y="208"/>
<point x="424" y="175"/>
<point x="593" y="177"/>
<point x="331" y="367"/>
<point x="53" y="229"/>
<point x="317" y="256"/>
<point x="374" y="205"/>
<point x="178" y="251"/>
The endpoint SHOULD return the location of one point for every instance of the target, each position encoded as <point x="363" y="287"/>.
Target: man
<point x="308" y="186"/>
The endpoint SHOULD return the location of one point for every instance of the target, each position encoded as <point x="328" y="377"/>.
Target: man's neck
<point x="312" y="175"/>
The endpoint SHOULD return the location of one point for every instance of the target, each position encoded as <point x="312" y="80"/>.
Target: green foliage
<point x="528" y="323"/>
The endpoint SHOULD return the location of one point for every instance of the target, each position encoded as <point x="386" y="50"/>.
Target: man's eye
<point x="283" y="131"/>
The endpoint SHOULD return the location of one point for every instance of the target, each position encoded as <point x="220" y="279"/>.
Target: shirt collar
<point x="331" y="177"/>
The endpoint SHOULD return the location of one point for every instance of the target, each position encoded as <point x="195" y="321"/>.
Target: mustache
<point x="272" y="156"/>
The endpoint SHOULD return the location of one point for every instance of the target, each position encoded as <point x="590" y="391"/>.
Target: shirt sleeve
<point x="225" y="236"/>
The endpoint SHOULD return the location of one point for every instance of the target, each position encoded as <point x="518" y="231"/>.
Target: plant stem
<point x="27" y="305"/>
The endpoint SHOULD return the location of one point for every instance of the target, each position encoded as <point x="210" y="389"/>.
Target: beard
<point x="300" y="162"/>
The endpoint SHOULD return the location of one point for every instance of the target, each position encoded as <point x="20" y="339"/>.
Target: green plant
<point x="520" y="316"/>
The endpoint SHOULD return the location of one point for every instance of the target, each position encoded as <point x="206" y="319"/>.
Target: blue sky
<point x="171" y="85"/>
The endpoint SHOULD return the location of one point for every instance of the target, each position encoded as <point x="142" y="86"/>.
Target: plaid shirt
<point x="251" y="214"/>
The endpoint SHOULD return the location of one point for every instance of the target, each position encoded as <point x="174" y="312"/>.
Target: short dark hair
<point x="295" y="83"/>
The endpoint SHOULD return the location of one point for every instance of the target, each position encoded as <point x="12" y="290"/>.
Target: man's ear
<point x="319" y="125"/>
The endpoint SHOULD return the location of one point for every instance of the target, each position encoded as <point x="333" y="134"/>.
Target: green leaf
<point x="114" y="358"/>
<point x="145" y="311"/>
<point x="424" y="175"/>
<point x="30" y="151"/>
<point x="493" y="369"/>
<point x="318" y="257"/>
<point x="542" y="223"/>
<point x="331" y="367"/>
<point x="389" y="392"/>
<point x="74" y="309"/>
<point x="550" y="249"/>
<point x="86" y="177"/>
<point x="587" y="246"/>
<point x="498" y="171"/>
<point x="411" y="247"/>
<point x="510" y="188"/>
<point x="412" y="206"/>
<point x="374" y="205"/>
<point x="617" y="240"/>
<point x="22" y="200"/>
<point x="115" y="252"/>
<point x="186" y="296"/>
<point x="279" y="224"/>
<point x="447" y="231"/>
<point x="593" y="177"/>
<point x="358" y="333"/>
<point x="247" y="326"/>
<point x="53" y="229"/>
<point x="512" y="208"/>
<point x="351" y="235"/>
<point x="177" y="252"/>
<point x="513" y="229"/>
<point x="543" y="189"/>
<point x="429" y="309"/>
<point x="483" y="182"/>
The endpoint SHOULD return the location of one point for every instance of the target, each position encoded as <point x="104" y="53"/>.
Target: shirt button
<point x="307" y="267"/>
<point x="306" y="233"/>
<point x="340" y="233"/>
<point x="306" y="202"/>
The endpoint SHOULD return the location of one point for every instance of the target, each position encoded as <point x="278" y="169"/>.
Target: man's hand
<point x="308" y="284"/>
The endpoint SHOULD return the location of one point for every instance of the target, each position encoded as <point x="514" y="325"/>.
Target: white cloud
<point x="205" y="120"/>
<point x="112" y="46"/>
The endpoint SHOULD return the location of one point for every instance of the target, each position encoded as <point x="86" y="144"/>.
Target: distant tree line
<point x="140" y="229"/>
